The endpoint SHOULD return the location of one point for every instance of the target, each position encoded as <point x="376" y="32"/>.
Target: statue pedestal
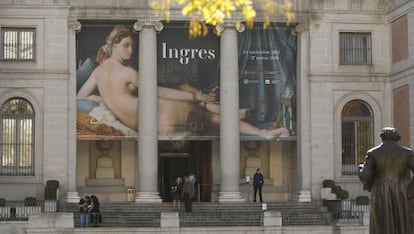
<point x="106" y="189"/>
<point x="105" y="182"/>
<point x="252" y="163"/>
<point x="104" y="168"/>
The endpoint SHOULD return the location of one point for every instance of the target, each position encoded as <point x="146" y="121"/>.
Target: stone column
<point x="72" y="194"/>
<point x="229" y="115"/>
<point x="147" y="168"/>
<point x="304" y="122"/>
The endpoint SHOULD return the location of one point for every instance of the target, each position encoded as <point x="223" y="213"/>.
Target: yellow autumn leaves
<point x="213" y="12"/>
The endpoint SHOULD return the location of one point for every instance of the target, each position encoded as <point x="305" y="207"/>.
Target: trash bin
<point x="264" y="206"/>
<point x="131" y="195"/>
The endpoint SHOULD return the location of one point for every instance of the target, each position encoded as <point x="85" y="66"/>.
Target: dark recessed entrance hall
<point x="183" y="158"/>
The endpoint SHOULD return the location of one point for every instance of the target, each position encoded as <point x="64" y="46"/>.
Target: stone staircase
<point x="206" y="214"/>
<point x="126" y="214"/>
<point x="219" y="214"/>
<point x="296" y="214"/>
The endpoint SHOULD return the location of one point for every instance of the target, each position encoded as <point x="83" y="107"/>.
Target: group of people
<point x="89" y="211"/>
<point x="183" y="191"/>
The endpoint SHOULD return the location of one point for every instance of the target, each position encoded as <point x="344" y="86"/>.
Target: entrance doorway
<point x="183" y="158"/>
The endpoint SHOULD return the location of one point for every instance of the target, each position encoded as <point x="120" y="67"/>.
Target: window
<point x="355" y="48"/>
<point x="17" y="44"/>
<point x="357" y="135"/>
<point x="17" y="138"/>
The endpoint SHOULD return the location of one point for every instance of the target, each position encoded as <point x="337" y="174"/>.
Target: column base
<point x="73" y="197"/>
<point x="230" y="197"/>
<point x="305" y="196"/>
<point x="147" y="197"/>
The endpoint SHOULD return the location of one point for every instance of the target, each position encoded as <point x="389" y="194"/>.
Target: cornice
<point x="399" y="11"/>
<point x="33" y="11"/>
<point x="20" y="74"/>
<point x="106" y="13"/>
<point x="349" y="77"/>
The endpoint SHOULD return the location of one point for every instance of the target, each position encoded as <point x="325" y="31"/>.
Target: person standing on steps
<point x="176" y="191"/>
<point x="258" y="184"/>
<point x="188" y="194"/>
<point x="83" y="211"/>
<point x="95" y="212"/>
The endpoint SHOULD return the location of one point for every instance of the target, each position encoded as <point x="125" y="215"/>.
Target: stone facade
<point x="295" y="169"/>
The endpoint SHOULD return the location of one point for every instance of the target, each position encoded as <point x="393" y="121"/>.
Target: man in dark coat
<point x="188" y="194"/>
<point x="386" y="173"/>
<point x="258" y="184"/>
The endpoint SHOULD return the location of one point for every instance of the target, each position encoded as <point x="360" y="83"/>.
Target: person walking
<point x="386" y="174"/>
<point x="188" y="194"/>
<point x="258" y="184"/>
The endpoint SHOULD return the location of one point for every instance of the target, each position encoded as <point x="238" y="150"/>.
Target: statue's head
<point x="390" y="133"/>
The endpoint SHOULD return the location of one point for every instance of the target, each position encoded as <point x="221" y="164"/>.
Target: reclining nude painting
<point x="188" y="96"/>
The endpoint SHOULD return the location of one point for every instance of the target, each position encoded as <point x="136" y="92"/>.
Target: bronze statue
<point x="386" y="173"/>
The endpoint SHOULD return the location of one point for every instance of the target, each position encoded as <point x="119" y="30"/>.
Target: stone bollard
<point x="170" y="220"/>
<point x="50" y="222"/>
<point x="365" y="218"/>
<point x="272" y="222"/>
<point x="365" y="222"/>
<point x="272" y="218"/>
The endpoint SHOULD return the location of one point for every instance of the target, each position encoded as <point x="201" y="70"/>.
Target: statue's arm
<point x="366" y="173"/>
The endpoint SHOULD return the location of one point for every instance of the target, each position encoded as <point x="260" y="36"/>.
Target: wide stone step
<point x="220" y="219"/>
<point x="301" y="213"/>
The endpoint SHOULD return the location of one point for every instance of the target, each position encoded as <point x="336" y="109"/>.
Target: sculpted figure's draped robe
<point x="386" y="173"/>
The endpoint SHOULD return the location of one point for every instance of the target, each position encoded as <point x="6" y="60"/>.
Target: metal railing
<point x="351" y="213"/>
<point x="18" y="211"/>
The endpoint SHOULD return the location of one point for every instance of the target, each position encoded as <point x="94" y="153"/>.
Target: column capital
<point x="75" y="25"/>
<point x="238" y="26"/>
<point x="140" y="24"/>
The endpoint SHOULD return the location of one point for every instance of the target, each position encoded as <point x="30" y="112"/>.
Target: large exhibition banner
<point x="188" y="73"/>
<point x="267" y="71"/>
<point x="107" y="80"/>
<point x="267" y="68"/>
<point x="188" y="68"/>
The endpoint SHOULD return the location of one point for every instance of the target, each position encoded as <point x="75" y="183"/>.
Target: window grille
<point x="357" y="135"/>
<point x="355" y="49"/>
<point x="18" y="44"/>
<point x="17" y="138"/>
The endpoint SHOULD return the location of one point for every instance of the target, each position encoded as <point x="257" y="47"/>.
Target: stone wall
<point x="332" y="85"/>
<point x="43" y="82"/>
<point x="402" y="71"/>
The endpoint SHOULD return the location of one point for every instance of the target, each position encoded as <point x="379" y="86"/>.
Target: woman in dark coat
<point x="94" y="210"/>
<point x="386" y="173"/>
<point x="176" y="191"/>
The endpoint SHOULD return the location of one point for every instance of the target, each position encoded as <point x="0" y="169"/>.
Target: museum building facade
<point x="110" y="99"/>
